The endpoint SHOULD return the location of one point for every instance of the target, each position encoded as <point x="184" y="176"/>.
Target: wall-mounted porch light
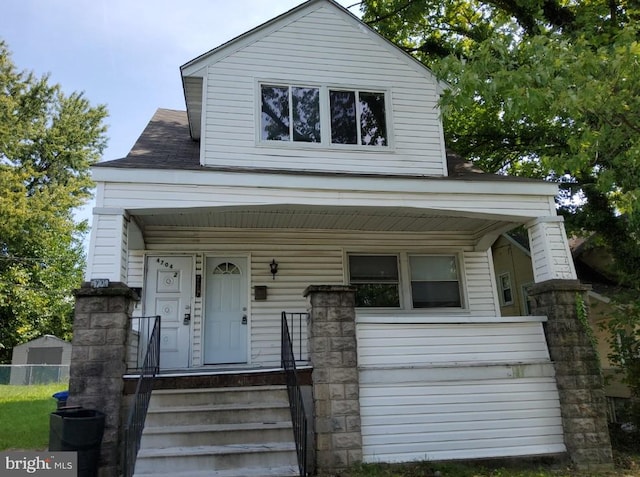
<point x="273" y="266"/>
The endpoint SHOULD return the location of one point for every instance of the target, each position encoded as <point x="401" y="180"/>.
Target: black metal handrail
<point x="297" y="324"/>
<point x="139" y="339"/>
<point x="138" y="411"/>
<point x="296" y="404"/>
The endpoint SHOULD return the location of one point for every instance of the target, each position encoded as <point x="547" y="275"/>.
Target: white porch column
<point x="550" y="255"/>
<point x="108" y="246"/>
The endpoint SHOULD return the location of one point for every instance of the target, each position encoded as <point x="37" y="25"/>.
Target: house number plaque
<point x="100" y="283"/>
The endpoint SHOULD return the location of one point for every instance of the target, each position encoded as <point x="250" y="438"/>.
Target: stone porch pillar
<point x="333" y="354"/>
<point x="578" y="376"/>
<point x="98" y="361"/>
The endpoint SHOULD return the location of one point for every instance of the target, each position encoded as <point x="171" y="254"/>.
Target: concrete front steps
<point x="220" y="432"/>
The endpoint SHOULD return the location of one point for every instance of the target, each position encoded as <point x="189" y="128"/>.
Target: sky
<point x="126" y="54"/>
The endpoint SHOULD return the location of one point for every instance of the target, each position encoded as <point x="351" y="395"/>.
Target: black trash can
<point x="78" y="430"/>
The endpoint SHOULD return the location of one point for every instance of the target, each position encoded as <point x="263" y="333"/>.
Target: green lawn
<point x="24" y="414"/>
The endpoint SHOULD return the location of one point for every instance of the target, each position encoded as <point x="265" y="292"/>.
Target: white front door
<point x="225" y="324"/>
<point x="168" y="294"/>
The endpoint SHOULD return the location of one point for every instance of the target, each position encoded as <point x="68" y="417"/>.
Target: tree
<point x="549" y="89"/>
<point x="48" y="141"/>
<point x="543" y="88"/>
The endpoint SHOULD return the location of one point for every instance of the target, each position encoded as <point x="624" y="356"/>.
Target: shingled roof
<point x="166" y="144"/>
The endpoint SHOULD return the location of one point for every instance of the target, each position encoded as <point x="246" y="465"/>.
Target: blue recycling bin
<point x="61" y="398"/>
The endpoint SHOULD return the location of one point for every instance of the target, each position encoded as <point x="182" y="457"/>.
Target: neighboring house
<point x="42" y="360"/>
<point x="595" y="266"/>
<point x="312" y="153"/>
<point x="514" y="275"/>
<point x="513" y="272"/>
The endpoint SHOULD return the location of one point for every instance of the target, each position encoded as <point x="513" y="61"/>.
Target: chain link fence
<point x="28" y="374"/>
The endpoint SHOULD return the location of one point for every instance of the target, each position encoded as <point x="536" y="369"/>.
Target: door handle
<point x="244" y="319"/>
<point x="187" y="319"/>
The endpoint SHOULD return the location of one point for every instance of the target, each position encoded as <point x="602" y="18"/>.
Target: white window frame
<point x="459" y="280"/>
<point x="290" y="100"/>
<point x="357" y="92"/>
<point x="325" y="117"/>
<point x="398" y="270"/>
<point x="502" y="289"/>
<point x="404" y="280"/>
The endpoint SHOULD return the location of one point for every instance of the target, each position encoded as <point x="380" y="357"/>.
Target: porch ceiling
<point x="376" y="219"/>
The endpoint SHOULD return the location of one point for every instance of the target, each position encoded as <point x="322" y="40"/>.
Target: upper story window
<point x="358" y="117"/>
<point x="309" y="114"/>
<point x="290" y="113"/>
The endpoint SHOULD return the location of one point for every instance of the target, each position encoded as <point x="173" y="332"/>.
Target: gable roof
<point x="50" y="339"/>
<point x="255" y="34"/>
<point x="166" y="144"/>
<point x="193" y="71"/>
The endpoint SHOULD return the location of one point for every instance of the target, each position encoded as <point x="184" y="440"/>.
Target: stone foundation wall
<point x="578" y="374"/>
<point x="98" y="361"/>
<point x="336" y="388"/>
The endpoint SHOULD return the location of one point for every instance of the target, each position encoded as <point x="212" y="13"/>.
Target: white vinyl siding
<point x="108" y="251"/>
<point x="135" y="269"/>
<point x="470" y="419"/>
<point x="174" y="196"/>
<point x="322" y="48"/>
<point x="455" y="390"/>
<point x="404" y="343"/>
<point x="550" y="252"/>
<point x="304" y="258"/>
<point x="478" y="273"/>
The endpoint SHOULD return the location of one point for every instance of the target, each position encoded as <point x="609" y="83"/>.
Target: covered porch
<point x="220" y="255"/>
<point x="271" y="253"/>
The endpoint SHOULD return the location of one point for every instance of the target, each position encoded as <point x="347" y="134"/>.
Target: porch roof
<point x="373" y="219"/>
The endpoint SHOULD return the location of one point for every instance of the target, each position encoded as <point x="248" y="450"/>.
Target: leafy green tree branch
<point x="48" y="141"/>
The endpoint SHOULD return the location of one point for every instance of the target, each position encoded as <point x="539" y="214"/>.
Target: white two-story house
<point x="311" y="152"/>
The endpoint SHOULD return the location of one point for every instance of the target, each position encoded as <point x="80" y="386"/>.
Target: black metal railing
<point x="138" y="342"/>
<point x="297" y="325"/>
<point x="296" y="404"/>
<point x="138" y="412"/>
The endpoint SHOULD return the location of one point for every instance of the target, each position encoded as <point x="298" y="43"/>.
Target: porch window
<point x="290" y="113"/>
<point x="434" y="281"/>
<point x="375" y="278"/>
